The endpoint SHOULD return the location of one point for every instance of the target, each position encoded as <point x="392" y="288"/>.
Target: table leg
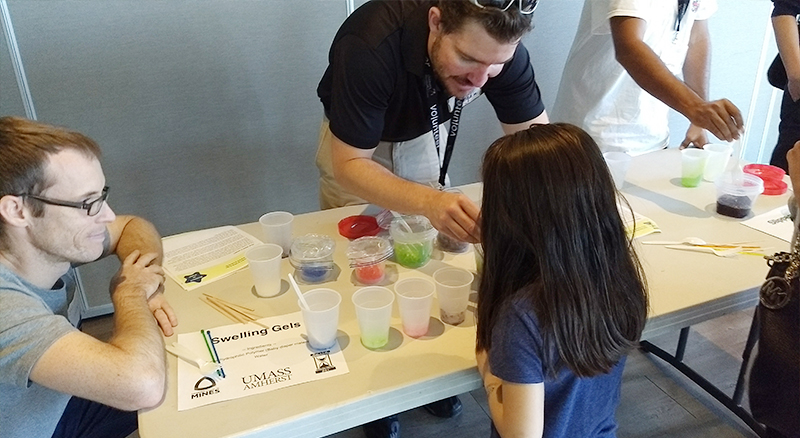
<point x="681" y="348"/>
<point x="677" y="362"/>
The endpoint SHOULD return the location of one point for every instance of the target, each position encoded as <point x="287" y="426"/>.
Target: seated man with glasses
<point x="623" y="74"/>
<point x="55" y="380"/>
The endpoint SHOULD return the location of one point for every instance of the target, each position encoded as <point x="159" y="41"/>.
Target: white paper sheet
<point x="197" y="258"/>
<point x="776" y="223"/>
<point x="636" y="225"/>
<point x="255" y="359"/>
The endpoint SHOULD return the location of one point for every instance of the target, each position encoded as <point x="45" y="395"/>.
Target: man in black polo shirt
<point x="399" y="68"/>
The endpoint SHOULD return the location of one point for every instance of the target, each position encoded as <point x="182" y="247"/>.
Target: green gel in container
<point x="412" y="248"/>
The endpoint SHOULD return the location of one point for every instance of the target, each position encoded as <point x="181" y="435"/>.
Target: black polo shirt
<point x="373" y="87"/>
<point x="785" y="7"/>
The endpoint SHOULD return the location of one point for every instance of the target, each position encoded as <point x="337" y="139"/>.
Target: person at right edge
<point x="774" y="380"/>
<point x="630" y="62"/>
<point x="784" y="23"/>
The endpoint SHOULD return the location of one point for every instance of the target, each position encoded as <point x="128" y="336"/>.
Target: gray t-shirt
<point x="31" y="320"/>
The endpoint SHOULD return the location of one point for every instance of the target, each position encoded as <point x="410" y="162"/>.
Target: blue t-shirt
<point x="573" y="406"/>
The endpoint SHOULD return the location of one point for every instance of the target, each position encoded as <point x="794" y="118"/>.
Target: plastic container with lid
<point x="413" y="248"/>
<point x="736" y="193"/>
<point x="312" y="256"/>
<point x="772" y="177"/>
<point x="368" y="258"/>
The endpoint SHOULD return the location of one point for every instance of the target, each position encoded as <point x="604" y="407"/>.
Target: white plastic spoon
<point x="299" y="294"/>
<point x="685" y="241"/>
<point x="731" y="252"/>
<point x="402" y="221"/>
<point x="207" y="368"/>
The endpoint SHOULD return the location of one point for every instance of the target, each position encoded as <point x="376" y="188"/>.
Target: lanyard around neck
<point x="431" y="96"/>
<point x="683" y="5"/>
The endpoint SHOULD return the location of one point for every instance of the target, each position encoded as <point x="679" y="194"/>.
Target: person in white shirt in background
<point x="622" y="75"/>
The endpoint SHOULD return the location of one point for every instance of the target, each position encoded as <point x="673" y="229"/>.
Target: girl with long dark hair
<point x="562" y="298"/>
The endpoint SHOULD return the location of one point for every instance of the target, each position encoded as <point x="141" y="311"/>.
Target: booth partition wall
<point x="206" y="110"/>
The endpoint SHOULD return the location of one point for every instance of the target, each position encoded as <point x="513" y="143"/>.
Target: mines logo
<point x="205" y="386"/>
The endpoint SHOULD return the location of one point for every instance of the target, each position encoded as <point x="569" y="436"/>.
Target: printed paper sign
<point x="255" y="359"/>
<point x="636" y="225"/>
<point x="197" y="258"/>
<point x="777" y="223"/>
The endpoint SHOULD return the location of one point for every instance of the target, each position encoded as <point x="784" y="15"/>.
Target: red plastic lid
<point x="765" y="171"/>
<point x="772" y="177"/>
<point x="774" y="187"/>
<point x="353" y="227"/>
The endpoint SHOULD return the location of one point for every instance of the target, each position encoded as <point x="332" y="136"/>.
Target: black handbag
<point x="774" y="387"/>
<point x="776" y="73"/>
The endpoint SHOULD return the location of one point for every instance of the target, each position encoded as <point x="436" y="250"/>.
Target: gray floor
<point x="657" y="401"/>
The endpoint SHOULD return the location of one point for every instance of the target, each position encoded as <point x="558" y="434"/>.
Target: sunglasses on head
<point x="525" y="7"/>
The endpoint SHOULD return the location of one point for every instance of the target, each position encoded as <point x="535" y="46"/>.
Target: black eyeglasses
<point x="92" y="207"/>
<point x="526" y="7"/>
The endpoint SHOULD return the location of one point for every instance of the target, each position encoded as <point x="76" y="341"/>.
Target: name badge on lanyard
<point x="683" y="5"/>
<point x="431" y="95"/>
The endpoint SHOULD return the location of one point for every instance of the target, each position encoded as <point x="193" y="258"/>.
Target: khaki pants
<point x="415" y="160"/>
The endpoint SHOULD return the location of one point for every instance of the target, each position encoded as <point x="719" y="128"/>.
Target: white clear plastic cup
<point x="414" y="298"/>
<point x="322" y="317"/>
<point x="717" y="161"/>
<point x="452" y="288"/>
<point x="447" y="243"/>
<point x="618" y="164"/>
<point x="374" y="314"/>
<point x="693" y="163"/>
<point x="265" y="265"/>
<point x="277" y="228"/>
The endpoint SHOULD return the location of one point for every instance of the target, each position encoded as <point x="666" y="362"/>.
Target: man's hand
<point x="455" y="215"/>
<point x="695" y="136"/>
<point x="163" y="313"/>
<point x="138" y="273"/>
<point x="720" y="117"/>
